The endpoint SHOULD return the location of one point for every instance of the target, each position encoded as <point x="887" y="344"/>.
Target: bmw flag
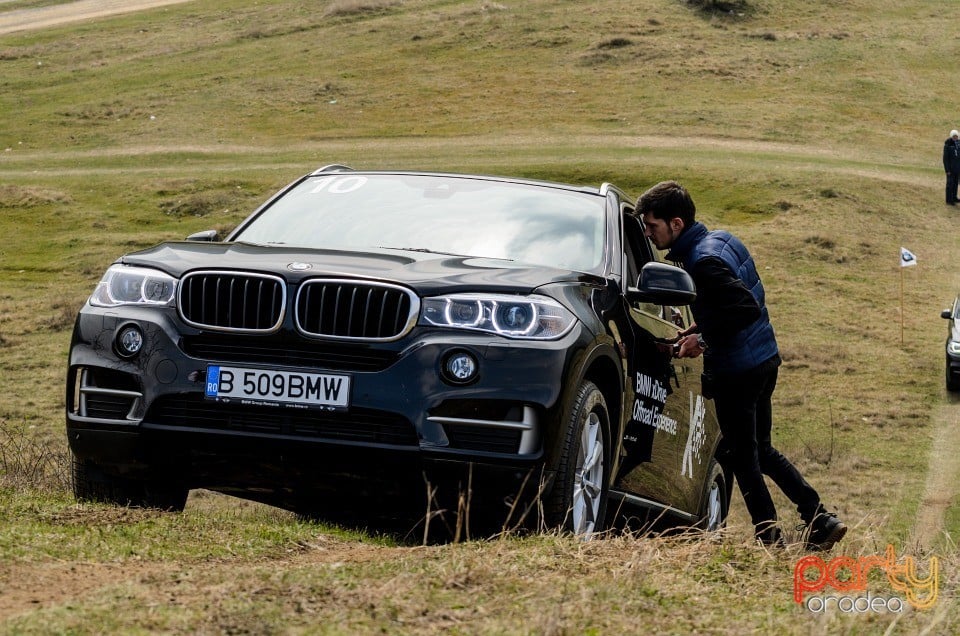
<point x="907" y="258"/>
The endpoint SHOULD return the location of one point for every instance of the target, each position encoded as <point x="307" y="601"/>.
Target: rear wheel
<point x="91" y="483"/>
<point x="714" y="503"/>
<point x="578" y="500"/>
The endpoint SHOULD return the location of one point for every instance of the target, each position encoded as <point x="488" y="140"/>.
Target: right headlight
<point x="123" y="285"/>
<point x="530" y="317"/>
<point x="953" y="347"/>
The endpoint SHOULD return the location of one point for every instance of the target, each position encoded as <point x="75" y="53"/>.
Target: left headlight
<point x="954" y="347"/>
<point x="526" y="317"/>
<point x="123" y="285"/>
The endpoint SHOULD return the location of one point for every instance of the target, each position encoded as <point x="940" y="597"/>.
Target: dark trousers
<point x="745" y="416"/>
<point x="953" y="180"/>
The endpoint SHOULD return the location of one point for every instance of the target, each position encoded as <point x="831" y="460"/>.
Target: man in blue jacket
<point x="951" y="165"/>
<point x="732" y="331"/>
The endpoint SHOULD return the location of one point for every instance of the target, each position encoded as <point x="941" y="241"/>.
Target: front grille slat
<point x="237" y="299"/>
<point x="398" y="315"/>
<point x="383" y="311"/>
<point x="320" y="308"/>
<point x="355" y="310"/>
<point x="351" y="311"/>
<point x="366" y="310"/>
<point x="233" y="301"/>
<point x="336" y="309"/>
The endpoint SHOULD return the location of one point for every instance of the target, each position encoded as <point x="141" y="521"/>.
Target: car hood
<point x="427" y="273"/>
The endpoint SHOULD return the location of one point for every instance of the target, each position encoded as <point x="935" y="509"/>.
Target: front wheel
<point x="91" y="483"/>
<point x="578" y="500"/>
<point x="953" y="382"/>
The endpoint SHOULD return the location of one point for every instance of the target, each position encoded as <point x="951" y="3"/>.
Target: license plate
<point x="268" y="387"/>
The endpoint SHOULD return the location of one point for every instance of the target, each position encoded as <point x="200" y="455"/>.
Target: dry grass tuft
<point x="105" y="112"/>
<point x="200" y="204"/>
<point x="358" y="7"/>
<point x="12" y="196"/>
<point x="63" y="314"/>
<point x="730" y="7"/>
<point x="85" y="515"/>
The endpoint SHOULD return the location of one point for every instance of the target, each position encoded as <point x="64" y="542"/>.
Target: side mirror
<point x="663" y="284"/>
<point x="206" y="235"/>
<point x="947" y="313"/>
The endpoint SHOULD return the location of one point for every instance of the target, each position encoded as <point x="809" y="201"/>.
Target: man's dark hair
<point x="667" y="200"/>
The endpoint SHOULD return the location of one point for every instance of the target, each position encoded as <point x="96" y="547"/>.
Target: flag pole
<point x="901" y="305"/>
<point x="907" y="259"/>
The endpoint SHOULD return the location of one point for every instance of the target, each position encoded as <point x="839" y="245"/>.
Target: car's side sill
<point x="617" y="496"/>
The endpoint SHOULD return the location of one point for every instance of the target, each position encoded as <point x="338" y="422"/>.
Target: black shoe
<point x="770" y="537"/>
<point x="825" y="531"/>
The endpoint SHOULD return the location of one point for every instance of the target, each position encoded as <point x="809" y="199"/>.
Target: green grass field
<point x="813" y="131"/>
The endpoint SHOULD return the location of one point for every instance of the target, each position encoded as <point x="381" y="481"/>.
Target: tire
<point x="715" y="502"/>
<point x="91" y="483"/>
<point x="577" y="502"/>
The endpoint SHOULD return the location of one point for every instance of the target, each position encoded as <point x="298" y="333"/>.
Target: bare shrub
<point x="28" y="462"/>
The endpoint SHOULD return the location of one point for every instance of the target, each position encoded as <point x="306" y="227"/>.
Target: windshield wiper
<point x="424" y="250"/>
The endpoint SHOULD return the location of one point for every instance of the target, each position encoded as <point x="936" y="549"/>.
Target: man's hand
<point x="689" y="346"/>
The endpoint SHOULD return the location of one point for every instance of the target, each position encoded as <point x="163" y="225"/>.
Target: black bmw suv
<point x="381" y="333"/>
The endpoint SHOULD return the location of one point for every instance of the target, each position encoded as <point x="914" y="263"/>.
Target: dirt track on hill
<point x="943" y="475"/>
<point x="42" y="17"/>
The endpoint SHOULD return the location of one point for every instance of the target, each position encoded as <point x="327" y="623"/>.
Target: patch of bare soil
<point x="27" y="587"/>
<point x="943" y="475"/>
<point x="42" y="17"/>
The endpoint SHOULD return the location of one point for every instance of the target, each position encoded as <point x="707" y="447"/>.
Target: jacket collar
<point x="685" y="242"/>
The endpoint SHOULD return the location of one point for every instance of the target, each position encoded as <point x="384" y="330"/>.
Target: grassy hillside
<point x="862" y="79"/>
<point x="811" y="130"/>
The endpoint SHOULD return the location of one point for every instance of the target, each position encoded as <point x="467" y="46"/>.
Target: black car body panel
<point x="952" y="346"/>
<point x="150" y="375"/>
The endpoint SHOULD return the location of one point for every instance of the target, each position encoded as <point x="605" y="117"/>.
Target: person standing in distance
<point x="732" y="331"/>
<point x="951" y="165"/>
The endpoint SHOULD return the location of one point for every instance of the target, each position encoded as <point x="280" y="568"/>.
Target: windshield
<point x="531" y="224"/>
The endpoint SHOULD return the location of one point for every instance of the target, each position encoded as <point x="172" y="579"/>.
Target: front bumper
<point x="953" y="366"/>
<point x="147" y="416"/>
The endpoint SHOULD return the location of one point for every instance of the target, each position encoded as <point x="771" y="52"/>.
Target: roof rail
<point x="333" y="167"/>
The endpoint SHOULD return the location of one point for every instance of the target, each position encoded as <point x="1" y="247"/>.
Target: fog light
<point x="460" y="367"/>
<point x="129" y="341"/>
